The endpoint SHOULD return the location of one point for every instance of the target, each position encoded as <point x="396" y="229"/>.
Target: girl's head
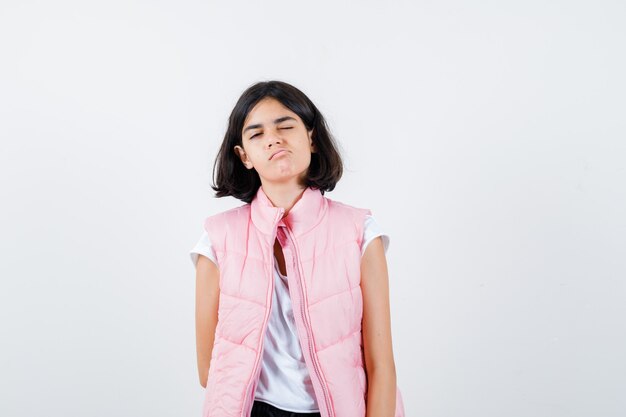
<point x="270" y="116"/>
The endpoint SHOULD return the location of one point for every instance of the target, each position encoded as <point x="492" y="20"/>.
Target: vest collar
<point x="303" y="216"/>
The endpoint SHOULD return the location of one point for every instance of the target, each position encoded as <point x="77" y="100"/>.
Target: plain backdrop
<point x="488" y="138"/>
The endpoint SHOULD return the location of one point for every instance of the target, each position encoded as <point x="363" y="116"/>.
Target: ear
<point x="243" y="156"/>
<point x="312" y="145"/>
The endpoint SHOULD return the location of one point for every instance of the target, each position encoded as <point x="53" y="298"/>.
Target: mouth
<point x="282" y="151"/>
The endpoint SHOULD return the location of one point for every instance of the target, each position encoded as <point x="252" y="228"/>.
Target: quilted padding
<point x="321" y="241"/>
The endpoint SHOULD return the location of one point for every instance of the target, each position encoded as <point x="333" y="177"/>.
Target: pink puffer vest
<point x="321" y="241"/>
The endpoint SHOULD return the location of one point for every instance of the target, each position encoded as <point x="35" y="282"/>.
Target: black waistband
<point x="261" y="409"/>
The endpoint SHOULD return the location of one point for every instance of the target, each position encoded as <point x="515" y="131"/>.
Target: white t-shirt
<point x="284" y="381"/>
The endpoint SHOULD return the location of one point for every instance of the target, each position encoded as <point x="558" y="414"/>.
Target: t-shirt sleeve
<point x="203" y="247"/>
<point x="372" y="230"/>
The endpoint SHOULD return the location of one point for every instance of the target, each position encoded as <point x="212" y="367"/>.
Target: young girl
<point x="292" y="297"/>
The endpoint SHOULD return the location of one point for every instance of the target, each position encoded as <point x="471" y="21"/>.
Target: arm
<point x="377" y="347"/>
<point x="207" y="297"/>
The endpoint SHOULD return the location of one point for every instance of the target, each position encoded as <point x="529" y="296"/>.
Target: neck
<point x="283" y="195"/>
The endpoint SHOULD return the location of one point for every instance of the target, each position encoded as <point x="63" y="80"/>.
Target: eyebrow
<point x="277" y="121"/>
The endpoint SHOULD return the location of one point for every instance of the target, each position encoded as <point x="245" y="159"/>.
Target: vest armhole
<point x="208" y="223"/>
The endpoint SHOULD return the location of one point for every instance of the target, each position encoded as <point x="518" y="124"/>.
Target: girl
<point x="292" y="298"/>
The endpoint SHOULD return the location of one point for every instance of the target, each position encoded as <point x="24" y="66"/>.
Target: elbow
<point x="385" y="371"/>
<point x="203" y="380"/>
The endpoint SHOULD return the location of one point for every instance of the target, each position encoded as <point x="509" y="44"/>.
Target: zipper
<point x="307" y="325"/>
<point x="254" y="379"/>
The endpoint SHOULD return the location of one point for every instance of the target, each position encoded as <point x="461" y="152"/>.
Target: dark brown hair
<point x="232" y="178"/>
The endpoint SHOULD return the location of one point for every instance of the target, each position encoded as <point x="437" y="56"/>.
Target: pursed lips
<point x="278" y="152"/>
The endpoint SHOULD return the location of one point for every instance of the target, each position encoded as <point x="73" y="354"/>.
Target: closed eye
<point x="256" y="134"/>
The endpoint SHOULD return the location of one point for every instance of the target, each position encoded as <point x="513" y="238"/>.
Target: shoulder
<point x="218" y="226"/>
<point x="215" y="220"/>
<point x="339" y="207"/>
<point x="372" y="230"/>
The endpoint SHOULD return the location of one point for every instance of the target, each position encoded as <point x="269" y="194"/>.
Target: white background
<point x="488" y="138"/>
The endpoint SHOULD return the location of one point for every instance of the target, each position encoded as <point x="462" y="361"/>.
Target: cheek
<point x="305" y="160"/>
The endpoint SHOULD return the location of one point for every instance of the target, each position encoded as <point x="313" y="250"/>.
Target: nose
<point x="273" y="138"/>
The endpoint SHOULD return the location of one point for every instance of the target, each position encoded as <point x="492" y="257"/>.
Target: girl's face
<point x="275" y="143"/>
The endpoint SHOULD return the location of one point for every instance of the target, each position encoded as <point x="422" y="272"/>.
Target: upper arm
<point x="207" y="288"/>
<point x="376" y="326"/>
<point x="207" y="300"/>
